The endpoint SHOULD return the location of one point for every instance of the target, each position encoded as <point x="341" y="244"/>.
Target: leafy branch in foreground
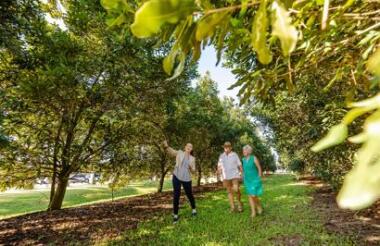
<point x="361" y="185"/>
<point x="194" y="24"/>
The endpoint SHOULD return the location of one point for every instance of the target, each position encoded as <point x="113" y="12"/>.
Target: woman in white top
<point x="185" y="164"/>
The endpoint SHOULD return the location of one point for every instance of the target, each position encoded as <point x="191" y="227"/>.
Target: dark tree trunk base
<point x="59" y="194"/>
<point x="161" y="183"/>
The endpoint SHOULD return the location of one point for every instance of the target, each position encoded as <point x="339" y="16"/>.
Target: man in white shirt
<point x="229" y="166"/>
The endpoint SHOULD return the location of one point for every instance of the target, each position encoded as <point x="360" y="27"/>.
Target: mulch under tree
<point x="363" y="226"/>
<point x="90" y="223"/>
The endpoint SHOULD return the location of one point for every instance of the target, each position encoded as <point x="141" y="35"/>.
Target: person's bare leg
<point x="258" y="206"/>
<point x="253" y="207"/>
<point x="231" y="198"/>
<point x="238" y="196"/>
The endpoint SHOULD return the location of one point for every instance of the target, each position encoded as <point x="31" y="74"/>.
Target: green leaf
<point x="288" y="3"/>
<point x="353" y="114"/>
<point x="207" y="25"/>
<point x="373" y="63"/>
<point x="244" y="6"/>
<point x="320" y="2"/>
<point x="153" y="14"/>
<point x="181" y="65"/>
<point x="196" y="50"/>
<point x="283" y="29"/>
<point x="121" y="19"/>
<point x="117" y="10"/>
<point x="169" y="60"/>
<point x="119" y="6"/>
<point x="237" y="84"/>
<point x="310" y="22"/>
<point x="223" y="30"/>
<point x="360" y="138"/>
<point x="338" y="76"/>
<point x="235" y="22"/>
<point x="361" y="185"/>
<point x="259" y="31"/>
<point x="244" y="99"/>
<point x="110" y="4"/>
<point x="185" y="40"/>
<point x="335" y="136"/>
<point x="204" y="4"/>
<point x="371" y="103"/>
<point x="348" y="4"/>
<point x="360" y="188"/>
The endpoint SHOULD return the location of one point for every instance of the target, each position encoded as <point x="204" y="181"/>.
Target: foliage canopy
<point x="80" y="97"/>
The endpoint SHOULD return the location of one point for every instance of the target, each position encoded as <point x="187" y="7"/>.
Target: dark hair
<point x="192" y="151"/>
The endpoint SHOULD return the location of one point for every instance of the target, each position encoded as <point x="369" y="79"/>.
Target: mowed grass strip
<point x="288" y="219"/>
<point x="12" y="204"/>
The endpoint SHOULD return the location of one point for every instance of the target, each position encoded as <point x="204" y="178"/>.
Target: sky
<point x="222" y="76"/>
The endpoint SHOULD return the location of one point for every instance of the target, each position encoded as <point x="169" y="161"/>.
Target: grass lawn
<point x="17" y="203"/>
<point x="288" y="219"/>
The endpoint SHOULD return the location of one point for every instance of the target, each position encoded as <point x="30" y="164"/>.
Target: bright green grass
<point x="12" y="204"/>
<point x="287" y="215"/>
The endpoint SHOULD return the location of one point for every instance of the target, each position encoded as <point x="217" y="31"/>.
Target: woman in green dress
<point x="252" y="174"/>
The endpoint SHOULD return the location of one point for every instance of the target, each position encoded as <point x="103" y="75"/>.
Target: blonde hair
<point x="248" y="148"/>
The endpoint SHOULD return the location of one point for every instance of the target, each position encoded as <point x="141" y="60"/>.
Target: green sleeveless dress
<point x="252" y="181"/>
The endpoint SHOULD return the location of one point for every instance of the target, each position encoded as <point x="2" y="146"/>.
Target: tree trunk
<point x="52" y="187"/>
<point x="163" y="172"/>
<point x="55" y="162"/>
<point x="199" y="178"/>
<point x="161" y="183"/>
<point x="59" y="193"/>
<point x="112" y="193"/>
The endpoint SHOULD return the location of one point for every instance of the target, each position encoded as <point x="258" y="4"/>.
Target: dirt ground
<point x="363" y="225"/>
<point x="87" y="224"/>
